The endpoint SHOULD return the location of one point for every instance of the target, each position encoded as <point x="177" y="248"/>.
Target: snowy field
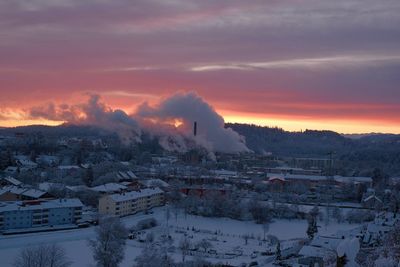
<point x="229" y="237"/>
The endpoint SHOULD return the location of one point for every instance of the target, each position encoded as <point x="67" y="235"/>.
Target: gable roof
<point x="109" y="188"/>
<point x="318" y="252"/>
<point x="12" y="181"/>
<point x="23" y="191"/>
<point x="372" y="197"/>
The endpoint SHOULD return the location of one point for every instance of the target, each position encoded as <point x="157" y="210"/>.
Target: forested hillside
<point x="366" y="153"/>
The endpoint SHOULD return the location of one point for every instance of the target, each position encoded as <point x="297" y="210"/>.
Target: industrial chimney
<point x="195" y="128"/>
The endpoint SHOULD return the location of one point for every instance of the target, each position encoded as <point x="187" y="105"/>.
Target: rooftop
<point x="35" y="205"/>
<point x="136" y="194"/>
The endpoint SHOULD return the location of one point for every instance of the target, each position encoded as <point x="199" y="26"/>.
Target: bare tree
<point x="108" y="248"/>
<point x="265" y="227"/>
<point x="42" y="256"/>
<point x="246" y="238"/>
<point x="151" y="257"/>
<point x="176" y="213"/>
<point x="184" y="246"/>
<point x="278" y="252"/>
<point x="312" y="228"/>
<point x="150" y="237"/>
<point x="167" y="217"/>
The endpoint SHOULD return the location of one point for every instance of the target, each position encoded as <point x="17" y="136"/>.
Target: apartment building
<point x="127" y="203"/>
<point x="39" y="213"/>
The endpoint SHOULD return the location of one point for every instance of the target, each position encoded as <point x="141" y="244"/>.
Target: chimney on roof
<point x="195" y="128"/>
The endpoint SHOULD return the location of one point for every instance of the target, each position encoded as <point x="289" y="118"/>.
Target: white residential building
<point x="127" y="203"/>
<point x="38" y="213"/>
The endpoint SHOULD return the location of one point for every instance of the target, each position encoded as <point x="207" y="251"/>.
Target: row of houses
<point x="26" y="209"/>
<point x="12" y="189"/>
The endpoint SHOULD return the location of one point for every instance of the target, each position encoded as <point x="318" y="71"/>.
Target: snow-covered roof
<point x="326" y="242"/>
<point x="11" y="169"/>
<point x="225" y="172"/>
<point x="372" y="197"/>
<point x="126" y="175"/>
<point x="34" y="193"/>
<point x="86" y="165"/>
<point x="319" y="252"/>
<point x="337" y="178"/>
<point x="135" y="194"/>
<point x="48" y="204"/>
<point x="14" y="189"/>
<point x="29" y="192"/>
<point x="375" y="228"/>
<point x="152" y="182"/>
<point x="350" y="233"/>
<point x="68" y="167"/>
<point x="109" y="188"/>
<point x="46" y="186"/>
<point x="25" y="162"/>
<point x="276" y="177"/>
<point x="47" y="158"/>
<point x="77" y="188"/>
<point x="349" y="179"/>
<point x="287" y="168"/>
<point x="131" y="174"/>
<point x="2" y="191"/>
<point x="12" y="180"/>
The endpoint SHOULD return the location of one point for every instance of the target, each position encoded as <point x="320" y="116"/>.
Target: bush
<point x="359" y="216"/>
<point x="146" y="224"/>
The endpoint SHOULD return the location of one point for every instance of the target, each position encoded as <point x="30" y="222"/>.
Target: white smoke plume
<point x="93" y="112"/>
<point x="171" y="120"/>
<point x="177" y="114"/>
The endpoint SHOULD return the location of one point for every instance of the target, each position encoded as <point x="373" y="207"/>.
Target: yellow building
<point x="127" y="203"/>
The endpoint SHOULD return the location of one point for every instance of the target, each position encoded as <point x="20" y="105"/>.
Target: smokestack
<point x="195" y="128"/>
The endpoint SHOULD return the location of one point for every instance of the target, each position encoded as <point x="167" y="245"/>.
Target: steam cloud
<point x="93" y="112"/>
<point x="171" y="120"/>
<point x="182" y="110"/>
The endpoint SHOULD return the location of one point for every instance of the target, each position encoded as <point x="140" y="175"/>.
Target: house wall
<point x="18" y="219"/>
<point x="8" y="196"/>
<point x="107" y="205"/>
<point x="131" y="206"/>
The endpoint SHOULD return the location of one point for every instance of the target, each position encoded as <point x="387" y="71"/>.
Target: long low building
<point x="297" y="178"/>
<point x="127" y="203"/>
<point x="39" y="213"/>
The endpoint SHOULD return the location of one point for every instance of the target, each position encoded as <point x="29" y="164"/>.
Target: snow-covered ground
<point x="230" y="235"/>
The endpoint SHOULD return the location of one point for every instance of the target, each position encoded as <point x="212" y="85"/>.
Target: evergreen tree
<point x="312" y="228"/>
<point x="278" y="251"/>
<point x="88" y="177"/>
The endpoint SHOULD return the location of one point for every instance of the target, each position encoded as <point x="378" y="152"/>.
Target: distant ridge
<point x="60" y="130"/>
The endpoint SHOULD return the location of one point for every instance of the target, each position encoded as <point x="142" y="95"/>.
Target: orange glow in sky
<point x="340" y="126"/>
<point x="286" y="123"/>
<point x="24" y="122"/>
<point x="294" y="66"/>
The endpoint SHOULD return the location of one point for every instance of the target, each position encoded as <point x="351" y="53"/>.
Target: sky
<point x="299" y="64"/>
